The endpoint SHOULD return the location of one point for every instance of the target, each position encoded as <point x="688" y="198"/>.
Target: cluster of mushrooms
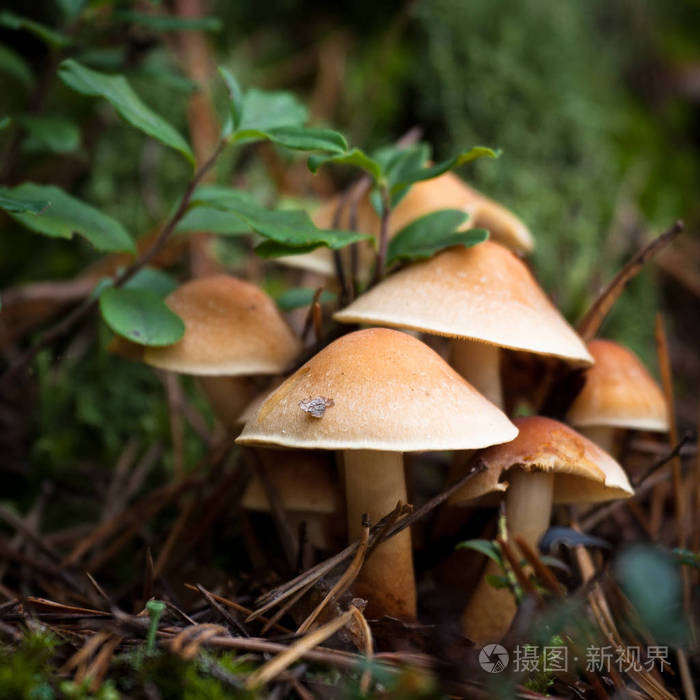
<point x="357" y="405"/>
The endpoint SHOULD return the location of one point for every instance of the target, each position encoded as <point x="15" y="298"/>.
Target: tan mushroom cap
<point x="583" y="472"/>
<point x="304" y="481"/>
<point x="483" y="293"/>
<point x="619" y="392"/>
<point x="446" y="191"/>
<point x="231" y="328"/>
<point x="388" y="391"/>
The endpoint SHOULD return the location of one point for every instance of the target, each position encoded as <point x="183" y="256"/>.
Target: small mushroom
<point x="391" y="394"/>
<point x="233" y="331"/>
<point x="484" y="298"/>
<point x="619" y="394"/>
<point x="548" y="463"/>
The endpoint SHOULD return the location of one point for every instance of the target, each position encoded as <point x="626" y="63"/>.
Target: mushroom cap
<point x="303" y="479"/>
<point x="619" y="392"/>
<point x="583" y="472"/>
<point x="231" y="328"/>
<point x="483" y="293"/>
<point x="446" y="191"/>
<point x="384" y="390"/>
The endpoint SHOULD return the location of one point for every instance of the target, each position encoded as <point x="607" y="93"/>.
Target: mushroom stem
<point x="479" y="364"/>
<point x="602" y="435"/>
<point x="374" y="483"/>
<point x="228" y="396"/>
<point x="490" y="611"/>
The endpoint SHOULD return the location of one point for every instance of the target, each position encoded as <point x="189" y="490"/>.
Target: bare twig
<point x="590" y="323"/>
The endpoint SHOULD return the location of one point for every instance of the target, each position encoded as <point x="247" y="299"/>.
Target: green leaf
<point x="495" y="581"/>
<point x="356" y="157"/>
<point x="71" y="8"/>
<point x="54" y="134"/>
<point x="12" y="64"/>
<point x="235" y="96"/>
<point x="140" y="316"/>
<point x="66" y="216"/>
<point x="117" y="91"/>
<point x="19" y="205"/>
<point x="652" y="582"/>
<point x="147" y="279"/>
<point x="302" y="296"/>
<point x="273" y="249"/>
<point x="485" y="547"/>
<point x="299" y="138"/>
<point x="292" y="228"/>
<point x="430" y="234"/>
<point x="419" y="174"/>
<point x="264" y="110"/>
<point x="46" y="34"/>
<point x="212" y="220"/>
<point x="170" y="23"/>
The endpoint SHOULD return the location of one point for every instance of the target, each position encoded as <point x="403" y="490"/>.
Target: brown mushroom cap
<point x="231" y="328"/>
<point x="482" y="293"/>
<point x="446" y="191"/>
<point x="304" y="481"/>
<point x="619" y="392"/>
<point x="385" y="390"/>
<point x="583" y="472"/>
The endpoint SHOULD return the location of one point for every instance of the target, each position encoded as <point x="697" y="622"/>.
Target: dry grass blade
<point x="83" y="654"/>
<point x="239" y="608"/>
<point x="366" y="644"/>
<point x="227" y="616"/>
<point x="343" y="583"/>
<point x="188" y="642"/>
<point x="272" y="668"/>
<point x="97" y="670"/>
<point x="523" y="580"/>
<point x="278" y="594"/>
<point x="590" y="323"/>
<point x="293" y="600"/>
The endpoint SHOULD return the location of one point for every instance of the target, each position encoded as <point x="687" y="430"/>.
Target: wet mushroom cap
<point x="483" y="293"/>
<point x="231" y="328"/>
<point x="619" y="392"/>
<point x="583" y="473"/>
<point x="377" y="389"/>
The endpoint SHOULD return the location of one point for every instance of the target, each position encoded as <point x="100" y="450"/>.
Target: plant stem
<point x="90" y="304"/>
<point x="383" y="235"/>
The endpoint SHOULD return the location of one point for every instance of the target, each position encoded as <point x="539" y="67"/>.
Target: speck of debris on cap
<point x="317" y="406"/>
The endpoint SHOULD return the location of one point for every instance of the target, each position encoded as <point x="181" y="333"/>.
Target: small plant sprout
<point x="391" y="394"/>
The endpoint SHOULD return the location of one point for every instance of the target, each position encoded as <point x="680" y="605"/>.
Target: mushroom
<point x="374" y="394"/>
<point x="484" y="298"/>
<point x="446" y="191"/>
<point x="233" y="331"/>
<point x="304" y="480"/>
<point x="548" y="463"/>
<point x="619" y="393"/>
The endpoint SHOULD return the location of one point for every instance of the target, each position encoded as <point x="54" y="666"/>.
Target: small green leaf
<point x="53" y="134"/>
<point x="356" y="157"/>
<point x="66" y="216"/>
<point x="15" y="204"/>
<point x="485" y="547"/>
<point x="46" y="34"/>
<point x="170" y="23"/>
<point x="419" y="174"/>
<point x="147" y="279"/>
<point x="273" y="249"/>
<point x="140" y="316"/>
<point x="299" y="138"/>
<point x="430" y="234"/>
<point x="117" y="91"/>
<point x="5" y="122"/>
<point x="12" y="64"/>
<point x="264" y="110"/>
<point x="302" y="296"/>
<point x="235" y="96"/>
<point x="211" y="220"/>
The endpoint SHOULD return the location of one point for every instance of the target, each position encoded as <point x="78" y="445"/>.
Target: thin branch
<point x="383" y="236"/>
<point x="90" y="304"/>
